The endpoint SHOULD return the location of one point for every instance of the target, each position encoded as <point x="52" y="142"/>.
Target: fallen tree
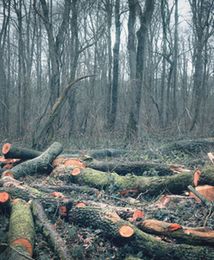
<point x="39" y="164"/>
<point x="116" y="229"/>
<point x="175" y="184"/>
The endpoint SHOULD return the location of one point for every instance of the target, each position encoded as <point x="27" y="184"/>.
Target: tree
<point x="202" y="16"/>
<point x="145" y="17"/>
<point x="116" y="57"/>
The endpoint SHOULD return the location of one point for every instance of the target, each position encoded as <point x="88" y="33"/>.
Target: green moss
<point x="21" y="222"/>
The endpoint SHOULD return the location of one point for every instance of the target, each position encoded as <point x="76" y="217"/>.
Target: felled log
<point x="194" y="236"/>
<point x="21" y="229"/>
<point x="39" y="164"/>
<point x="175" y="184"/>
<point x="47" y="230"/>
<point x="118" y="230"/>
<point x="104" y="153"/>
<point x="66" y="188"/>
<point x="137" y="168"/>
<point x="4" y="202"/>
<point x="11" y="151"/>
<point x="197" y="146"/>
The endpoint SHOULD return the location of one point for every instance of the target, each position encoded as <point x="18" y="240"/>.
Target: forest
<point x="107" y="124"/>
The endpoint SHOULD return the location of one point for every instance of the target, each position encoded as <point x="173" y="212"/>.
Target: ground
<point x="87" y="243"/>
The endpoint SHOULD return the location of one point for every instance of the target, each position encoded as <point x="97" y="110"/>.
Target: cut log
<point x="11" y="151"/>
<point x="137" y="241"/>
<point x="194" y="236"/>
<point x="4" y="202"/>
<point x="191" y="147"/>
<point x="104" y="153"/>
<point x="67" y="188"/>
<point x="51" y="235"/>
<point x="21" y="229"/>
<point x="148" y="185"/>
<point x="39" y="164"/>
<point x="137" y="168"/>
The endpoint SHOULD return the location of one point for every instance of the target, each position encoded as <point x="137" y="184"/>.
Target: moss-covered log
<point x="152" y="185"/>
<point x="21" y="229"/>
<point x="191" y="147"/>
<point x="47" y="230"/>
<point x="195" y="236"/>
<point x="39" y="164"/>
<point x="11" y="151"/>
<point x="137" y="168"/>
<point x="138" y="241"/>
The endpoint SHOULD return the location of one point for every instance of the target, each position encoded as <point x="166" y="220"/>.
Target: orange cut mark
<point x="4" y="197"/>
<point x="196" y="177"/>
<point x="138" y="214"/>
<point x="8" y="166"/>
<point x="75" y="171"/>
<point x="207" y="191"/>
<point x="6" y="148"/>
<point x="57" y="194"/>
<point x="127" y="192"/>
<point x="163" y="202"/>
<point x="80" y="205"/>
<point x="174" y="227"/>
<point x="75" y="163"/>
<point x="126" y="231"/>
<point x="7" y="173"/>
<point x="24" y="243"/>
<point x="63" y="211"/>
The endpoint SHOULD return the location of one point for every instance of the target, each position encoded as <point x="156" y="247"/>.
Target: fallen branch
<point x="200" y="196"/>
<point x="39" y="164"/>
<point x="47" y="230"/>
<point x="55" y="110"/>
<point x="137" y="168"/>
<point x="10" y="151"/>
<point x="194" y="236"/>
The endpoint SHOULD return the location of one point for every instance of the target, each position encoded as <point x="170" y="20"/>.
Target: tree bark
<point x="51" y="235"/>
<point x="39" y="164"/>
<point x="148" y="185"/>
<point x="21" y="230"/>
<point x="110" y="225"/>
<point x="194" y="236"/>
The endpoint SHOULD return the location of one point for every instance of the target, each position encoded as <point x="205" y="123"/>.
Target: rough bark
<point x="109" y="224"/>
<point x="148" y="185"/>
<point x="51" y="235"/>
<point x="190" y="146"/>
<point x="39" y="164"/>
<point x="195" y="236"/>
<point x="137" y="168"/>
<point x="21" y="230"/>
<point x="19" y="152"/>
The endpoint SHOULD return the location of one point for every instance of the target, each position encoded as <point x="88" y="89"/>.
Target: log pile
<point x="25" y="203"/>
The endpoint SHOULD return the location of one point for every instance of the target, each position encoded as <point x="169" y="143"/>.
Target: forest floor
<point x="89" y="243"/>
